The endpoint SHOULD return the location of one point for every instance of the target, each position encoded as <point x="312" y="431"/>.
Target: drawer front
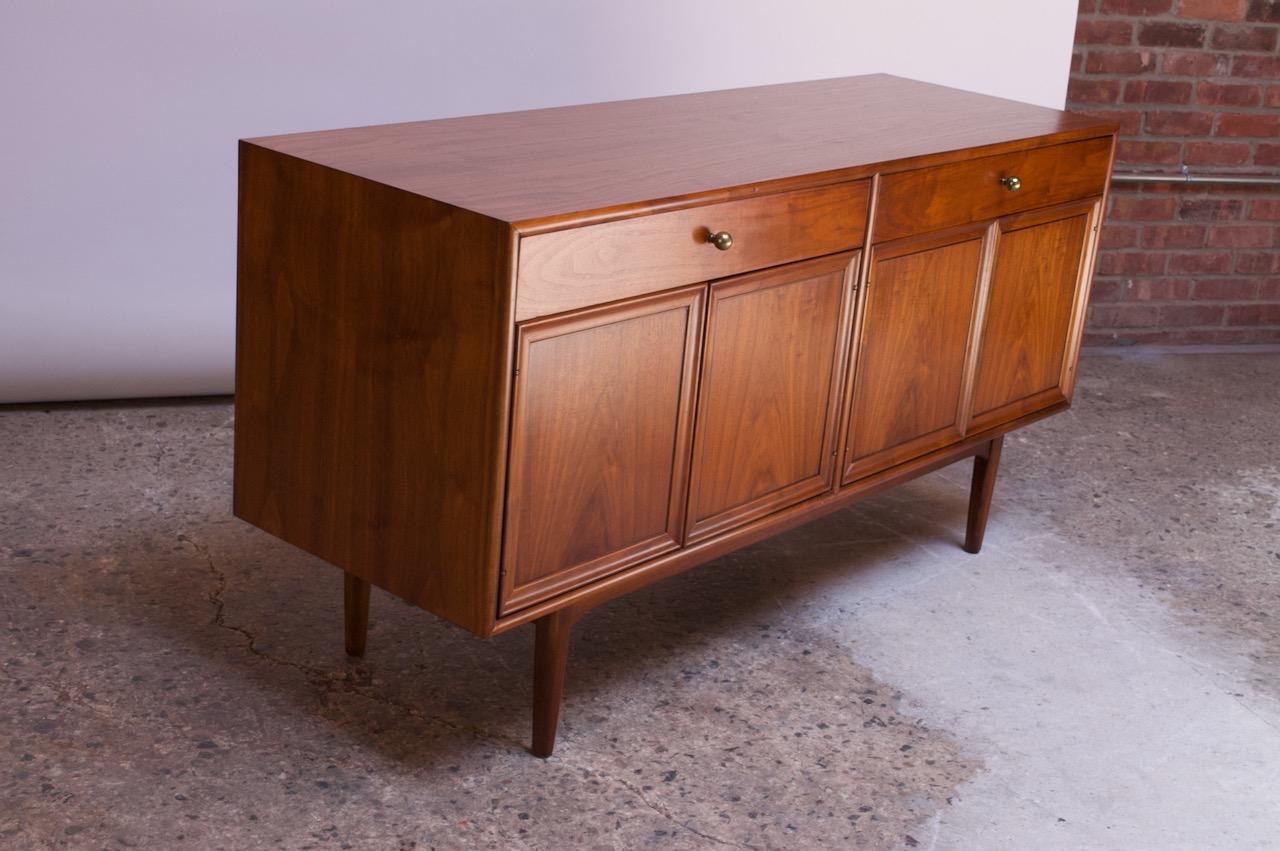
<point x="929" y="199"/>
<point x="594" y="264"/>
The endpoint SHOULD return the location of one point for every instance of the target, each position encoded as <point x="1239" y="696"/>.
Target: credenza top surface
<point x="543" y="164"/>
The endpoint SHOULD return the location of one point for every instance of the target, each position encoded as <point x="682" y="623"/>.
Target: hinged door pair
<point x="949" y="346"/>
<point x="636" y="429"/>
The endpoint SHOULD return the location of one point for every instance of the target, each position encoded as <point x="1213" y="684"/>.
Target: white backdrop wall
<point x="119" y="123"/>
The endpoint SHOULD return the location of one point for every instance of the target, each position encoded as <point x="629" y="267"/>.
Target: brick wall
<point x="1193" y="82"/>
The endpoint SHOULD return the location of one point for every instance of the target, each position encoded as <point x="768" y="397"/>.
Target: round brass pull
<point x="1013" y="184"/>
<point x="720" y="239"/>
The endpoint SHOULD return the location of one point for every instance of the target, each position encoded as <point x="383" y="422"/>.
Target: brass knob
<point x="1013" y="184"/>
<point x="720" y="239"/>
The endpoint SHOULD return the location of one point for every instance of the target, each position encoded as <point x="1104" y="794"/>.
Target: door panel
<point x="767" y="402"/>
<point x="1033" y="306"/>
<point x="599" y="440"/>
<point x="908" y="394"/>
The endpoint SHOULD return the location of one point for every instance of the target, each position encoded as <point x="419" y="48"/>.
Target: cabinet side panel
<point x="372" y="347"/>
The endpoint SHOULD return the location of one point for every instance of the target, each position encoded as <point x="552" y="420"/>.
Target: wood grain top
<point x="545" y="165"/>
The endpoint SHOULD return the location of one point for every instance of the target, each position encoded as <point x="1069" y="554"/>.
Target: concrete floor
<point x="1106" y="674"/>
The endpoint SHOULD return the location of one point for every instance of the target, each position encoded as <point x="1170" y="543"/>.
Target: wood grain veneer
<point x="581" y="266"/>
<point x="373" y="335"/>
<point x="766" y="433"/>
<point x="908" y="391"/>
<point x="494" y="366"/>
<point x="930" y="199"/>
<point x="578" y="163"/>
<point x="600" y="436"/>
<point x="1034" y="291"/>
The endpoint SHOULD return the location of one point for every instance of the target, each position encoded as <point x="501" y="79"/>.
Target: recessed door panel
<point x="1032" y="308"/>
<point x="599" y="446"/>
<point x="915" y="336"/>
<point x="765" y="434"/>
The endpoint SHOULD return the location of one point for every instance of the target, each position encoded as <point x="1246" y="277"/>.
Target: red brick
<point x="1158" y="289"/>
<point x="1103" y="32"/>
<point x="1255" y="66"/>
<point x="1225" y="289"/>
<point x="1264" y="210"/>
<point x="1241" y="236"/>
<point x="1077" y="62"/>
<point x="1179" y="123"/>
<point x="1124" y="315"/>
<point x="1137" y="208"/>
<point x="1173" y="236"/>
<point x="1257" y="263"/>
<point x="1204" y="262"/>
<point x="1191" y="314"/>
<point x="1119" y="62"/>
<point x="1272" y="97"/>
<point x="1107" y="289"/>
<point x="1087" y="7"/>
<point x="1157" y="91"/>
<point x="1168" y="34"/>
<point x="1195" y="64"/>
<point x="1230" y="95"/>
<point x="1266" y="11"/>
<point x="1135" y="7"/>
<point x="1269" y="289"/>
<point x="1080" y="90"/>
<point x="1244" y="38"/>
<point x="1209" y="209"/>
<point x="1253" y="314"/>
<point x="1267" y="155"/>
<point x="1164" y="153"/>
<point x="1212" y="10"/>
<point x="1116" y="337"/>
<point x="1118" y="236"/>
<point x="1239" y="124"/>
<point x="1216" y="153"/>
<point x="1130" y="263"/>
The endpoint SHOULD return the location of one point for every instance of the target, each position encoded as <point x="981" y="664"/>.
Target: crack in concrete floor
<point x="327" y="680"/>
<point x="332" y="681"/>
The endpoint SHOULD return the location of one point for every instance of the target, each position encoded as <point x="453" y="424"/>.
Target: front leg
<point x="355" y="600"/>
<point x="985" y="465"/>
<point x="550" y="659"/>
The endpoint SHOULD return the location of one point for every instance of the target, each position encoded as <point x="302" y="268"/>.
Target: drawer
<point x="944" y="196"/>
<point x="594" y="264"/>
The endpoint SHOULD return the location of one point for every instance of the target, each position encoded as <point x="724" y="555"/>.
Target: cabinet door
<point x="915" y="336"/>
<point x="599" y="442"/>
<point x="765" y="435"/>
<point x="1035" y="306"/>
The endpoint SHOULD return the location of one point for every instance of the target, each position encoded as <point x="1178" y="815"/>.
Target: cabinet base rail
<point x="554" y="626"/>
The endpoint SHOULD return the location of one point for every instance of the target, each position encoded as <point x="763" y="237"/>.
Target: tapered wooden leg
<point x="985" y="466"/>
<point x="550" y="658"/>
<point x="356" y="613"/>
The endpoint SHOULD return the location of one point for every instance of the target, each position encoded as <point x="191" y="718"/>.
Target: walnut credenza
<point x="508" y="367"/>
